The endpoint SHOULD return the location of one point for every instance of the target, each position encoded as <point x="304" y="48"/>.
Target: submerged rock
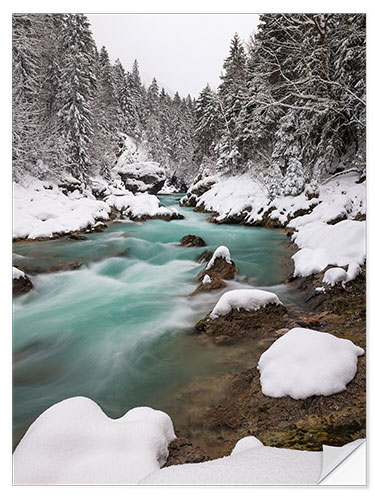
<point x="64" y="266"/>
<point x="190" y="240"/>
<point x="77" y="237"/>
<point x="205" y="256"/>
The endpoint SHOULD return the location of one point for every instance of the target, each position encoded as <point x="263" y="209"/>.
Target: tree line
<point x="290" y="107"/>
<point x="291" y="104"/>
<point x="72" y="108"/>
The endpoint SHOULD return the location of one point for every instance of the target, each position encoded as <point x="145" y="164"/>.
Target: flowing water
<point x="120" y="329"/>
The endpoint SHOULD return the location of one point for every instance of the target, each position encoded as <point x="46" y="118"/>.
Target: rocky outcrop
<point x="190" y="240"/>
<point x="237" y="324"/>
<point x="182" y="451"/>
<point x="218" y="268"/>
<point x="221" y="269"/>
<point x="200" y="186"/>
<point x="143" y="177"/>
<point x="21" y="285"/>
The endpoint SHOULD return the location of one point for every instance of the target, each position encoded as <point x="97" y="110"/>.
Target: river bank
<point x="211" y="403"/>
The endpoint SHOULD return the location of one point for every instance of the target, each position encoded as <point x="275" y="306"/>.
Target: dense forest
<point x="290" y="107"/>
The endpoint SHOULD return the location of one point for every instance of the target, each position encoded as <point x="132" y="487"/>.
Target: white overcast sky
<point x="182" y="51"/>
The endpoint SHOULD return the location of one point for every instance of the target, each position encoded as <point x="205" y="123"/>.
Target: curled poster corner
<point x="333" y="456"/>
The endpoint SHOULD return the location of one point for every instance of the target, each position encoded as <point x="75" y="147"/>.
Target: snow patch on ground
<point x="250" y="300"/>
<point x="74" y="442"/>
<point x="221" y="252"/>
<point x="250" y="463"/>
<point x="43" y="208"/>
<point x="304" y="363"/>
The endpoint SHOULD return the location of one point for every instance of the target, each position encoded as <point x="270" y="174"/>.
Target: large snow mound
<point x="40" y="211"/>
<point x="324" y="244"/>
<point x="304" y="363"/>
<point x="249" y="463"/>
<point x="74" y="442"/>
<point x="250" y="300"/>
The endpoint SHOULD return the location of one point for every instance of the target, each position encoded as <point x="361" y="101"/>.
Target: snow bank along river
<point x="119" y="329"/>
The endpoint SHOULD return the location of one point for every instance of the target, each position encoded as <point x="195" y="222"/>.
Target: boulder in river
<point x="244" y="313"/>
<point x="220" y="266"/>
<point x="22" y="284"/>
<point x="205" y="256"/>
<point x="259" y="324"/>
<point x="190" y="240"/>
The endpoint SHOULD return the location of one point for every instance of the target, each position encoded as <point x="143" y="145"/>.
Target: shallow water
<point x="120" y="329"/>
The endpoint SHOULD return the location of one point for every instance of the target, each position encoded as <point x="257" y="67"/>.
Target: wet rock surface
<point x="205" y="256"/>
<point x="190" y="240"/>
<point x="262" y="323"/>
<point x="285" y="422"/>
<point x="182" y="451"/>
<point x="221" y="269"/>
<point x="213" y="284"/>
<point x="21" y="285"/>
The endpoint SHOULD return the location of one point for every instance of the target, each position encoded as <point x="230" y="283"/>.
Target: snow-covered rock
<point x="335" y="275"/>
<point x="74" y="442"/>
<point x="17" y="273"/>
<point x="251" y="463"/>
<point x="304" y="363"/>
<point x="139" y="206"/>
<point x="221" y="252"/>
<point x="326" y="232"/>
<point x="322" y="243"/>
<point x="249" y="300"/>
<point x="141" y="177"/>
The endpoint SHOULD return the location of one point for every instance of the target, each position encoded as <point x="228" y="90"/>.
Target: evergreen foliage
<point x="290" y="105"/>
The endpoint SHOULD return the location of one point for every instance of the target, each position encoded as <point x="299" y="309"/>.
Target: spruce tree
<point x="76" y="93"/>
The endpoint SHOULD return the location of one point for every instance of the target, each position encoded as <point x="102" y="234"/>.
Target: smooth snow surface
<point x="246" y="443"/>
<point x="17" y="273"/>
<point x="250" y="300"/>
<point x="74" y="442"/>
<point x="304" y="363"/>
<point x="206" y="279"/>
<point x="254" y="465"/>
<point x="221" y="252"/>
